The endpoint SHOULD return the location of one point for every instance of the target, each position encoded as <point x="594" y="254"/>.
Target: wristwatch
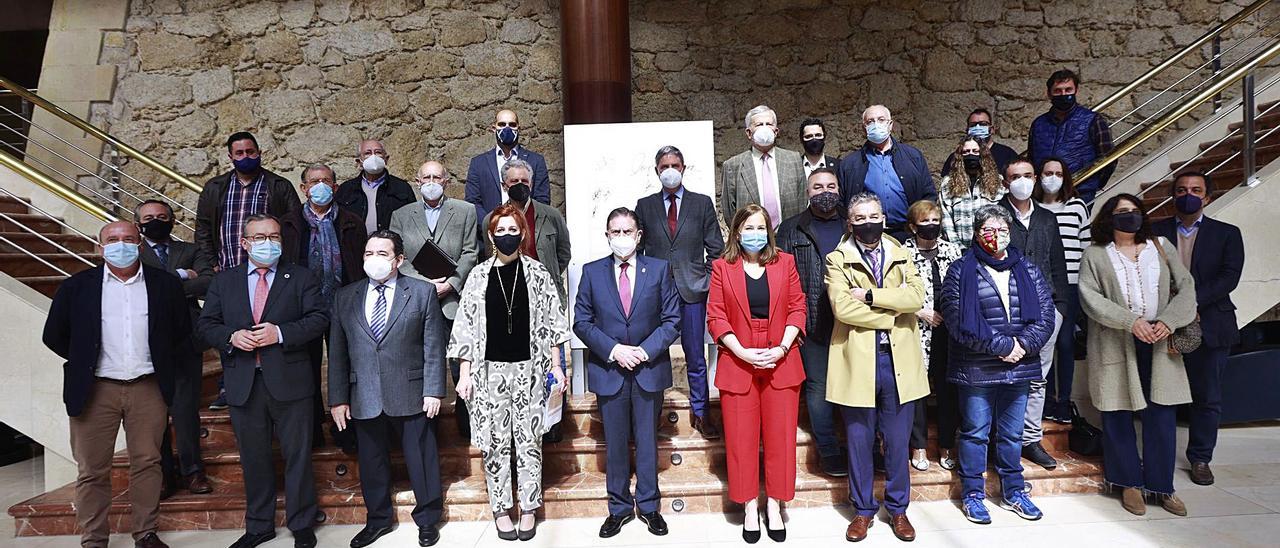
<point x="868" y="299"/>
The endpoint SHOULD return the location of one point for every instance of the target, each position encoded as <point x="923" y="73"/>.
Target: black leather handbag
<point x="1084" y="438"/>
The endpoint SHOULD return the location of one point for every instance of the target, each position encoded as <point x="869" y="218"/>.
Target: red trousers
<point x="767" y="413"/>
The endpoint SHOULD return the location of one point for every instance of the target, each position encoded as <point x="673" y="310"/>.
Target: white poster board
<point x="607" y="166"/>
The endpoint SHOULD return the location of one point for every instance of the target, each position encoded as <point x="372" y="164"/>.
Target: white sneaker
<point x="919" y="460"/>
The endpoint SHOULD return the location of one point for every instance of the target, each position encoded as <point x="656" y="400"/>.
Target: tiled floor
<point x="1242" y="509"/>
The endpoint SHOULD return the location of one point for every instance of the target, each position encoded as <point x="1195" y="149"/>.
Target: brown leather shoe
<point x="149" y="540"/>
<point x="1131" y="500"/>
<point x="858" y="528"/>
<point x="1174" y="505"/>
<point x="1201" y="474"/>
<point x="197" y="484"/>
<point x="705" y="426"/>
<point x="902" y="527"/>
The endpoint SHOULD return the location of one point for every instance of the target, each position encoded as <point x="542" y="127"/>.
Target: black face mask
<point x="1063" y="102"/>
<point x="1129" y="222"/>
<point x="157" y="230"/>
<point x="929" y="231"/>
<point x="507" y="244"/>
<point x="825" y="203"/>
<point x="972" y="163"/>
<point x="813" y="147"/>
<point x="519" y="192"/>
<point x="868" y="233"/>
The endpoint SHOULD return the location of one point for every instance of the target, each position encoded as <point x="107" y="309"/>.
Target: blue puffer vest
<point x="968" y="366"/>
<point x="1068" y="140"/>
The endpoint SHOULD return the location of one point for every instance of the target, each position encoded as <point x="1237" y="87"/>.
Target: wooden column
<point x="595" y="61"/>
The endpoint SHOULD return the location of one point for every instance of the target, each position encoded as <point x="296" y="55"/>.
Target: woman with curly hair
<point x="966" y="190"/>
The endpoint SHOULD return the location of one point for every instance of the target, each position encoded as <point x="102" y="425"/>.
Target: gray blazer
<point x="455" y="234"/>
<point x="738" y="183"/>
<point x="691" y="249"/>
<point x="553" y="244"/>
<point x="393" y="374"/>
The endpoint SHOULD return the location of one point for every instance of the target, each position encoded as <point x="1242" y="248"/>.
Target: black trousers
<point x="417" y="435"/>
<point x="185" y="414"/>
<point x="255" y="423"/>
<point x="460" y="414"/>
<point x="948" y="398"/>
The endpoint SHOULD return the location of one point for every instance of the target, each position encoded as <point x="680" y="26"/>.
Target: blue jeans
<point x="893" y="420"/>
<point x="822" y="413"/>
<point x="1121" y="465"/>
<point x="1058" y="394"/>
<point x="693" y="325"/>
<point x="980" y="406"/>
<point x="1204" y="374"/>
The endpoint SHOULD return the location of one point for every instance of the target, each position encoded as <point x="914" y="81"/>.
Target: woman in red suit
<point x="756" y="313"/>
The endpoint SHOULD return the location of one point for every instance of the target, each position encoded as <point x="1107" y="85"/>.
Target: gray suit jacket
<point x="553" y="244"/>
<point x="455" y="234"/>
<point x="393" y="374"/>
<point x="185" y="256"/>
<point x="691" y="249"/>
<point x="738" y="183"/>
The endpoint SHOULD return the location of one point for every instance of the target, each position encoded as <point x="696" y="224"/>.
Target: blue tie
<point x="379" y="321"/>
<point x="162" y="253"/>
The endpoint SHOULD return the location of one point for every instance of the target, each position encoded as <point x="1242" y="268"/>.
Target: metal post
<point x="1217" y="69"/>
<point x="1250" y="129"/>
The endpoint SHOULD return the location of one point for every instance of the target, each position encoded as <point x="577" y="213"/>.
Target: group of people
<point x="854" y="282"/>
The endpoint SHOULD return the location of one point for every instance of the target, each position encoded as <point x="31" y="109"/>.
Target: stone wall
<point x="311" y="77"/>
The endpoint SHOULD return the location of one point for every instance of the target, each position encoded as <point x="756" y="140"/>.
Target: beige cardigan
<point x="1113" y="366"/>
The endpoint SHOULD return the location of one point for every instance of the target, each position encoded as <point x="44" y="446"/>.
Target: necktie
<point x="378" y="323"/>
<point x="770" y="191"/>
<point x="260" y="295"/>
<point x="671" y="215"/>
<point x="162" y="253"/>
<point x="873" y="261"/>
<point x="624" y="289"/>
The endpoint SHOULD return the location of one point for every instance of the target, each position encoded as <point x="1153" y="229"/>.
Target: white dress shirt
<point x="502" y="161"/>
<point x="371" y="299"/>
<point x="126" y="342"/>
<point x="808" y="168"/>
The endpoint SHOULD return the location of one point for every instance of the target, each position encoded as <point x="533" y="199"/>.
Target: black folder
<point x="433" y="263"/>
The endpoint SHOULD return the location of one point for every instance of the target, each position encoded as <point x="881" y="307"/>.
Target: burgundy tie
<point x="624" y="289"/>
<point x="671" y="214"/>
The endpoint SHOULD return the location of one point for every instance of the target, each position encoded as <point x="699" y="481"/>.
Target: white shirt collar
<point x="108" y="276"/>
<point x="390" y="283"/>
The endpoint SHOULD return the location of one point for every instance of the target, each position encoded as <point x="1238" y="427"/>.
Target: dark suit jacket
<point x="295" y="242"/>
<point x="293" y="305"/>
<point x="184" y="256"/>
<point x="1216" y="264"/>
<point x="1042" y="244"/>
<point x="729" y="311"/>
<point x="654" y="323"/>
<point x="281" y="199"/>
<point x="484" y="181"/>
<point x="908" y="161"/>
<point x="691" y="249"/>
<point x="74" y="330"/>
<point x="392" y="194"/>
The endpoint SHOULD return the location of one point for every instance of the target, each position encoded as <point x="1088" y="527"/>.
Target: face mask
<point x="1129" y="222"/>
<point x="432" y="191"/>
<point x="247" y="164"/>
<point x="378" y="268"/>
<point x="763" y="136"/>
<point x="120" y="254"/>
<point x="1063" y="102"/>
<point x="1051" y="184"/>
<point x="980" y="132"/>
<point x="508" y="137"/>
<point x="868" y="233"/>
<point x="519" y="193"/>
<point x="265" y="253"/>
<point x="753" y="242"/>
<point x="374" y="164"/>
<point x="1021" y="187"/>
<point x="622" y="246"/>
<point x="507" y="244"/>
<point x="972" y="162"/>
<point x="813" y="147"/>
<point x="877" y="132"/>
<point x="826" y="202"/>
<point x="321" y="194"/>
<point x="1188" y="204"/>
<point x="157" y="230"/>
<point x="928" y="232"/>
<point x="671" y="178"/>
<point x="994" y="244"/>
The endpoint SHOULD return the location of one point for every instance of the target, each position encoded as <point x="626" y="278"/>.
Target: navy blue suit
<point x="484" y="182"/>
<point x="630" y="400"/>
<point x="1216" y="263"/>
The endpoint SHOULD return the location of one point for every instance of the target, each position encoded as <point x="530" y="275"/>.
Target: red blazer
<point x="728" y="311"/>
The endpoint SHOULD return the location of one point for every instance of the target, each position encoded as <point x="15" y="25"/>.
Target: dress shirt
<point x="433" y="213"/>
<point x="181" y="272"/>
<point x="666" y="202"/>
<point x="1186" y="232"/>
<point x="876" y="277"/>
<point x="1024" y="218"/>
<point x="502" y="161"/>
<point x="126" y="342"/>
<point x="1139" y="281"/>
<point x="253" y="288"/>
<point x="882" y="180"/>
<point x="631" y="278"/>
<point x="371" y="299"/>
<point x="773" y="168"/>
<point x="371" y="200"/>
<point x="808" y="167"/>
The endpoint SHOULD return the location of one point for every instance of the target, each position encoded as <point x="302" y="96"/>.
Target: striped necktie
<point x="378" y="323"/>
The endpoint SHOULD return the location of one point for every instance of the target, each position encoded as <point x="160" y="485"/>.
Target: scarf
<point x="324" y="256"/>
<point x="973" y="325"/>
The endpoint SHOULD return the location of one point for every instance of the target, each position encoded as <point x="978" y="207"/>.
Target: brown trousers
<point x="141" y="408"/>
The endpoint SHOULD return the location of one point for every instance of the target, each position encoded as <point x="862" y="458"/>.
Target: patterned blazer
<point x="948" y="252"/>
<point x="547" y="320"/>
<point x="739" y="186"/>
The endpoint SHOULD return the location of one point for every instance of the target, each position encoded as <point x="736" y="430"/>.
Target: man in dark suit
<point x="262" y="317"/>
<point x="813" y="137"/>
<point x="387" y="375"/>
<point x="122" y="328"/>
<point x="159" y="250"/>
<point x="1214" y="253"/>
<point x="374" y="185"/>
<point x="892" y="170"/>
<point x="484" y="176"/>
<point x="628" y="314"/>
<point x="683" y="231"/>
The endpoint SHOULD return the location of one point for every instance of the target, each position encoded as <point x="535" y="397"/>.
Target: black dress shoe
<point x="613" y="524"/>
<point x="835" y="466"/>
<point x="1201" y="474"/>
<point x="751" y="537"/>
<point x="428" y="536"/>
<point x="167" y="487"/>
<point x="705" y="426"/>
<point x="304" y="538"/>
<point x="1036" y="453"/>
<point x="657" y="525"/>
<point x="249" y="540"/>
<point x="369" y="535"/>
<point x="776" y="535"/>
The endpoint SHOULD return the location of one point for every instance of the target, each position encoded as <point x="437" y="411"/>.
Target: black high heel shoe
<point x="504" y="535"/>
<point x="751" y="537"/>
<point x="528" y="534"/>
<point x="776" y="535"/>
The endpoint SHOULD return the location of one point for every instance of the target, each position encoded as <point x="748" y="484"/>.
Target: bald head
<point x="119" y="231"/>
<point x="433" y="171"/>
<point x="876" y="112"/>
<point x="506" y="118"/>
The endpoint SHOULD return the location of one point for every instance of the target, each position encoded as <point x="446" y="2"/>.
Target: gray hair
<point x="445" y="169"/>
<point x="333" y="177"/>
<point x="886" y="109"/>
<point x="360" y="145"/>
<point x="988" y="212"/>
<point x="863" y="198"/>
<point x="746" y="122"/>
<point x="256" y="217"/>
<point x="516" y="163"/>
<point x="667" y="150"/>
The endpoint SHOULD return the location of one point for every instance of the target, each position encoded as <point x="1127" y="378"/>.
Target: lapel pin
<point x="286" y="275"/>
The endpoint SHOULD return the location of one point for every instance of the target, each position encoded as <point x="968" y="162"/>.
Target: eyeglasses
<point x="995" y="232"/>
<point x="262" y="238"/>
<point x="984" y="124"/>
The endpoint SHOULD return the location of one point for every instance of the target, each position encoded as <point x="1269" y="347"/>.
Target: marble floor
<point x="1242" y="509"/>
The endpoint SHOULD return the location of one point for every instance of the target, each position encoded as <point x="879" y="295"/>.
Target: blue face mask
<point x="320" y="194"/>
<point x="507" y="136"/>
<point x="247" y="164"/>
<point x="753" y="242"/>
<point x="877" y="133"/>
<point x="265" y="253"/>
<point x="120" y="254"/>
<point x="980" y="132"/>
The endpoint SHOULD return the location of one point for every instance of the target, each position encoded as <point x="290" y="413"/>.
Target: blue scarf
<point x="324" y="256"/>
<point x="973" y="325"/>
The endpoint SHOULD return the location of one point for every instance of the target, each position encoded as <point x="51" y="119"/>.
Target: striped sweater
<point x="1073" y="224"/>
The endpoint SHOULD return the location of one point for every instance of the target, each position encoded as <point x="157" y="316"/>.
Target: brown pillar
<point x="595" y="61"/>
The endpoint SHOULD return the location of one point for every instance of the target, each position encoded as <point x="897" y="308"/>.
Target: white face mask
<point x="763" y="136"/>
<point x="622" y="246"/>
<point x="378" y="268"/>
<point x="1051" y="183"/>
<point x="432" y="191"/>
<point x="1021" y="187"/>
<point x="374" y="164"/>
<point x="670" y="178"/>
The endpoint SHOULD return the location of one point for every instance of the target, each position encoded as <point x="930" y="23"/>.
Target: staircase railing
<point x="57" y="188"/>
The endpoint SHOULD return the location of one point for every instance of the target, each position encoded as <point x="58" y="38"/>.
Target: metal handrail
<point x="1177" y="57"/>
<point x="37" y="257"/>
<point x="62" y="191"/>
<point x="86" y="127"/>
<point x="33" y="207"/>
<point x="46" y="239"/>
